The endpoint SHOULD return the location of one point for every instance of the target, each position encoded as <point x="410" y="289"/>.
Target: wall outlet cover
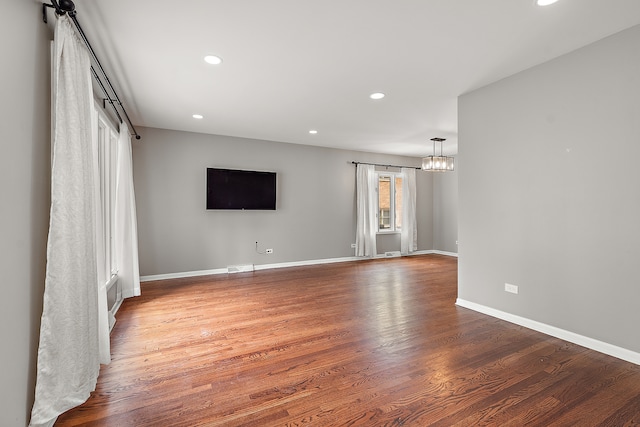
<point x="508" y="287"/>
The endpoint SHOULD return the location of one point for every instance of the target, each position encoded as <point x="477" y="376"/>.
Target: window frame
<point x="107" y="152"/>
<point x="107" y="146"/>
<point x="393" y="177"/>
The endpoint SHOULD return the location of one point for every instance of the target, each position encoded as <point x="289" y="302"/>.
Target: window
<point x="107" y="146"/>
<point x="389" y="202"/>
<point x="107" y="139"/>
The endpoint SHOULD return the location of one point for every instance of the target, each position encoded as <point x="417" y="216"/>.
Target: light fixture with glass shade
<point x="436" y="163"/>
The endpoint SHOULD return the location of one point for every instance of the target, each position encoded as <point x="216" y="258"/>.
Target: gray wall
<point x="445" y="210"/>
<point x="24" y="211"/>
<point x="549" y="196"/>
<point x="315" y="218"/>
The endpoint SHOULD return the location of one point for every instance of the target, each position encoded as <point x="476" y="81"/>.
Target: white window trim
<point x="392" y="209"/>
<point x="107" y="136"/>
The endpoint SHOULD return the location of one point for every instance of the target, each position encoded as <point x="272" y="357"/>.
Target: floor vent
<point x="392" y="254"/>
<point x="244" y="268"/>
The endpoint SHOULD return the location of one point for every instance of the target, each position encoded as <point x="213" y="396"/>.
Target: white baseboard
<point x="431" y="252"/>
<point x="255" y="267"/>
<point x="454" y="254"/>
<point x="308" y="262"/>
<point x="590" y="343"/>
<point x="183" y="274"/>
<point x="277" y="265"/>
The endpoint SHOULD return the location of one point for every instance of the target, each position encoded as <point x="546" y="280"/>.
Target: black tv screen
<point x="240" y="189"/>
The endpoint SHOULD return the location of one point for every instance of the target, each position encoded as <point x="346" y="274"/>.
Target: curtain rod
<point x="68" y="7"/>
<point x="386" y="166"/>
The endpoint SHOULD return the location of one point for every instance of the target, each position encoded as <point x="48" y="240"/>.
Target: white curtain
<point x="126" y="229"/>
<point x="409" y="230"/>
<point x="366" y="207"/>
<point x="68" y="353"/>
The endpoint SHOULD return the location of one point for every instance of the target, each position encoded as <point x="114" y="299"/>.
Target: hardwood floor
<point x="369" y="343"/>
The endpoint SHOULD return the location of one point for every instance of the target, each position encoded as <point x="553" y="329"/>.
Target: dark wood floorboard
<point x="368" y="343"/>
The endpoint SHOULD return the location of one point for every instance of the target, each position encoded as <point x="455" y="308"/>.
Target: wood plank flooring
<point x="369" y="343"/>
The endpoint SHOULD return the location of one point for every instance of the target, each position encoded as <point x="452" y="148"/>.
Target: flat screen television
<point x="240" y="189"/>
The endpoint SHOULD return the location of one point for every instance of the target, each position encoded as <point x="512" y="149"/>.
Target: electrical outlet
<point x="511" y="288"/>
<point x="269" y="251"/>
<point x="353" y="246"/>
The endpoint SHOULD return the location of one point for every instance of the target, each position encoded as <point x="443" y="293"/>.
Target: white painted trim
<point x="310" y="262"/>
<point x="183" y="274"/>
<point x="126" y="294"/>
<point x="434" y="251"/>
<point x="445" y="253"/>
<point x="278" y="265"/>
<point x="255" y="267"/>
<point x="593" y="344"/>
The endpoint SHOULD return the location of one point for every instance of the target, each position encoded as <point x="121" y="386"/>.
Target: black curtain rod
<point x="68" y="7"/>
<point x="386" y="166"/>
<point x="104" y="91"/>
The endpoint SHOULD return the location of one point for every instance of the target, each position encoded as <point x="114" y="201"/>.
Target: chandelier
<point x="437" y="163"/>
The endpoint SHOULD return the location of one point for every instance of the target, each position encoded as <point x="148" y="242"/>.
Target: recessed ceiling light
<point x="212" y="59"/>
<point x="313" y="131"/>
<point x="545" y="2"/>
<point x="198" y="116"/>
<point x="377" y="95"/>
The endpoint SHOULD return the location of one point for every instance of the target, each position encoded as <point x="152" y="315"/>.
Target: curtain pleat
<point x="68" y="352"/>
<point x="126" y="229"/>
<point x="409" y="231"/>
<point x="366" y="207"/>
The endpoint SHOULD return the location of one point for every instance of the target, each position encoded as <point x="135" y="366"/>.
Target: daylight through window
<point x="389" y="202"/>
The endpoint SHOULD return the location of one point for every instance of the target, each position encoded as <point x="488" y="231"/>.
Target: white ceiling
<point x="295" y="65"/>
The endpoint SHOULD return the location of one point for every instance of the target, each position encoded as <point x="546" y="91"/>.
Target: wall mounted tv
<point x="241" y="189"/>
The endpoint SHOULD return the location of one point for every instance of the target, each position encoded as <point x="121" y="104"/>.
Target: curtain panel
<point x="68" y="352"/>
<point x="366" y="207"/>
<point x="126" y="229"/>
